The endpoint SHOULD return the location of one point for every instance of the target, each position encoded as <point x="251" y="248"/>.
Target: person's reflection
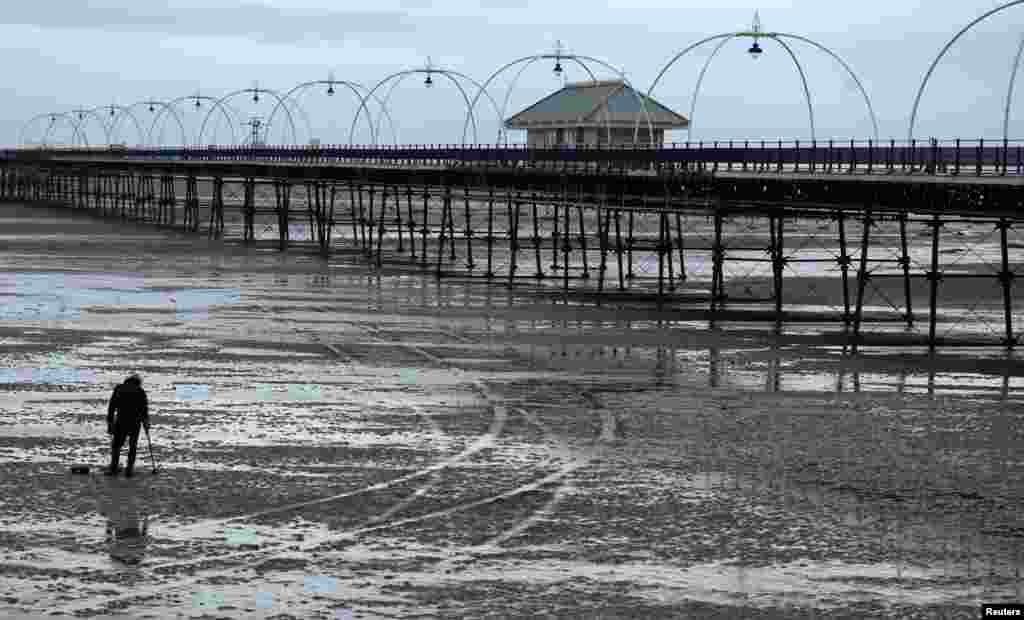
<point x="127" y="526"/>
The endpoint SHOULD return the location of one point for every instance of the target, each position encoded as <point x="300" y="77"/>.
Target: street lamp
<point x="558" y="58"/>
<point x="330" y="83"/>
<point x="428" y="82"/>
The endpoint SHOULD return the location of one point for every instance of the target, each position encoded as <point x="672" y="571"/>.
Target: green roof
<point x="596" y="104"/>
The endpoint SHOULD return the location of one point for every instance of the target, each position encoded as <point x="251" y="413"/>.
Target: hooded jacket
<point x="130" y="403"/>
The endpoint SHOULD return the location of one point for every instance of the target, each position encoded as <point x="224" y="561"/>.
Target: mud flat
<point x="336" y="441"/>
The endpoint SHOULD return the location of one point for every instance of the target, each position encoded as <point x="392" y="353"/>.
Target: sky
<point x="66" y="55"/>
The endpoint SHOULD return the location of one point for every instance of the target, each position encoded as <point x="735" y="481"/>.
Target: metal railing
<point x="952" y="157"/>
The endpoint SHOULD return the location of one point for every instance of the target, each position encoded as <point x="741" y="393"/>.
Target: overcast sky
<point x="60" y="55"/>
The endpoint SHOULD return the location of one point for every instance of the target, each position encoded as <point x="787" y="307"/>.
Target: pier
<point x="872" y="240"/>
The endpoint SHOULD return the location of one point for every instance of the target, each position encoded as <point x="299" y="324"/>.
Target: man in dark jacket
<point x="132" y="407"/>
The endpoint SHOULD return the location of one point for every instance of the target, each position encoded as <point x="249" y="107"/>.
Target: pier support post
<point x="249" y="210"/>
<point x="191" y="223"/>
<point x="446" y="217"/>
<point x="490" y="233"/>
<point x="371" y="224"/>
<point x="618" y="245"/>
<point x="844" y="267"/>
<point x="862" y="276"/>
<point x="398" y="218"/>
<point x="380" y="221"/>
<point x="539" y="272"/>
<point x="602" y="231"/>
<point x="934" y="276"/>
<point x="778" y="260"/>
<point x="566" y="243"/>
<point x="513" y="233"/>
<point x="630" y="241"/>
<point x="717" y="258"/>
<point x="1006" y="279"/>
<point x="411" y="224"/>
<point x="905" y="265"/>
<point x="425" y="229"/>
<point x="217" y="209"/>
<point x="583" y="236"/>
<point x="282" y="195"/>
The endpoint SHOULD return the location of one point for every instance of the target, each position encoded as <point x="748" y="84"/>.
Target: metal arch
<point x="302" y="113"/>
<point x="117" y="118"/>
<point x="77" y="131"/>
<point x="532" y="59"/>
<point x="163" y="105"/>
<point x="576" y="58"/>
<point x="256" y="91"/>
<point x="931" y="69"/>
<point x="99" y="119"/>
<point x="350" y="85"/>
<point x="401" y="77"/>
<point x="224" y="108"/>
<point x="1009" y="91"/>
<point x="406" y="73"/>
<point x="837" y="58"/>
<point x="700" y="80"/>
<point x="515" y="80"/>
<point x="686" y="51"/>
<point x="803" y="79"/>
<point x="53" y="117"/>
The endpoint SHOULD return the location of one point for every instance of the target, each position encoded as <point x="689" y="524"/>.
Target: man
<point x="132" y="407"/>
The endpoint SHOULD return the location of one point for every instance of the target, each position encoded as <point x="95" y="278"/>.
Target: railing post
<point x="956" y="166"/>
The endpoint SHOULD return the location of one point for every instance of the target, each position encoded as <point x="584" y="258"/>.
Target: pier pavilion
<point x="596" y="113"/>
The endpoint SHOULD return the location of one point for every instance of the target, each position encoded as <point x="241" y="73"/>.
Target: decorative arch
<point x="92" y="113"/>
<point x="401" y="75"/>
<point x="949" y="44"/>
<point x="1009" y="90"/>
<point x="53" y="116"/>
<point x="197" y="98"/>
<point x="117" y="113"/>
<point x="330" y="83"/>
<point x="756" y="33"/>
<point x="578" y="59"/>
<point x="255" y="92"/>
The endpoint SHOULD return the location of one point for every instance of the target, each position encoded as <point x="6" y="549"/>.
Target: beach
<point x="336" y="440"/>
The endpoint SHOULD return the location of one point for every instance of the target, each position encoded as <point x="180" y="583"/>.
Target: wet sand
<point x="382" y="444"/>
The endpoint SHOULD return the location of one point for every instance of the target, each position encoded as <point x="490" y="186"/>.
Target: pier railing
<point x="939" y="157"/>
